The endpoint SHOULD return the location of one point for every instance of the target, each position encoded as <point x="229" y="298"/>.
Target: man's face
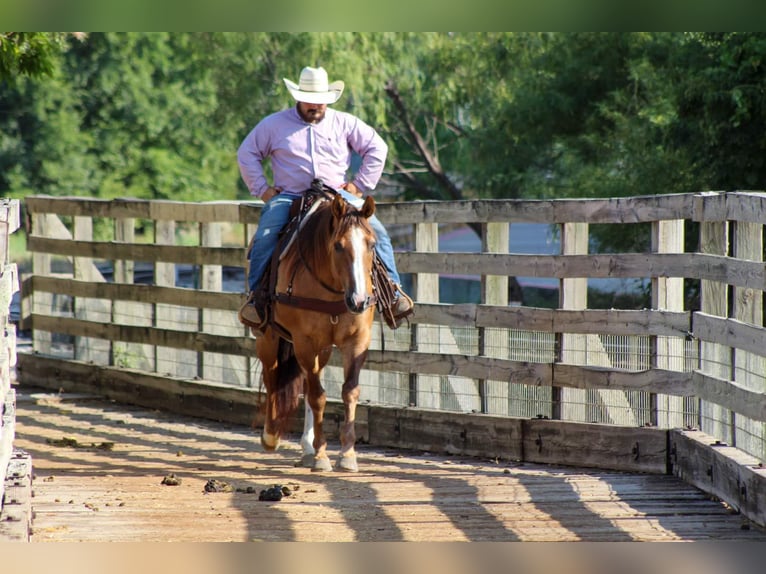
<point x="312" y="113"/>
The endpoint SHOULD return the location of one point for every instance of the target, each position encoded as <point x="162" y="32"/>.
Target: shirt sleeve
<point x="250" y="155"/>
<point x="365" y="141"/>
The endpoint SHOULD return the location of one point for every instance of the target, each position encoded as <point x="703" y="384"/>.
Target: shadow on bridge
<point x="99" y="468"/>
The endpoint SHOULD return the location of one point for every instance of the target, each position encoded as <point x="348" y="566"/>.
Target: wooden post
<point x="91" y="349"/>
<point x="42" y="301"/>
<point x="253" y="365"/>
<point x="129" y="355"/>
<point x="570" y="404"/>
<point x="749" y="368"/>
<point x="586" y="405"/>
<point x="494" y="395"/>
<point x="668" y="295"/>
<point x="715" y="359"/>
<point x="425" y="389"/>
<point x="165" y="358"/>
<point x="210" y="365"/>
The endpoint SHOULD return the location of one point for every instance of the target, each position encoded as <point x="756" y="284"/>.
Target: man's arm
<point x="365" y="141"/>
<point x="250" y="159"/>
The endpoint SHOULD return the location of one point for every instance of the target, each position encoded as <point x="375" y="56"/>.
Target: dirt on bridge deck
<point x="99" y="470"/>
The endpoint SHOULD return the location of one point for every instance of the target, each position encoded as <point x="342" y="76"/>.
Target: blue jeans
<point x="275" y="215"/>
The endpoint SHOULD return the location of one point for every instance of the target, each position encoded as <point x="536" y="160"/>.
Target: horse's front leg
<point x="352" y="367"/>
<point x="317" y="400"/>
<point x="313" y="363"/>
<point x="307" y="438"/>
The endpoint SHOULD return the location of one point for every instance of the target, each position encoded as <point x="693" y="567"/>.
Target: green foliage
<point x="28" y="54"/>
<point x="516" y="115"/>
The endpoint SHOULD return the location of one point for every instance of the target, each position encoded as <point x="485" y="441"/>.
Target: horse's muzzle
<point x="358" y="304"/>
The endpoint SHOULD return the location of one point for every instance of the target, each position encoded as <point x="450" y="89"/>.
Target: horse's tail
<point x="290" y="380"/>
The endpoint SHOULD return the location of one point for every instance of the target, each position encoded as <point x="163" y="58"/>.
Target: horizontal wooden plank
<point x="107" y="250"/>
<point x="669" y="382"/>
<point x="625" y="265"/>
<point x="747" y="207"/>
<point x="586" y="321"/>
<point x="445" y="432"/>
<point x="136" y="293"/>
<point x="474" y="367"/>
<point x="730" y="333"/>
<point x="203" y="212"/>
<point x="190" y="340"/>
<point x="675" y="383"/>
<point x="602" y="321"/>
<point x="184" y="396"/>
<point x="730" y="395"/>
<point x="611" y="210"/>
<point x="591" y="445"/>
<point x="709" y="206"/>
<point x="720" y="470"/>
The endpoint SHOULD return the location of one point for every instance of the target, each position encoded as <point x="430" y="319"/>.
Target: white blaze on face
<point x="359" y="245"/>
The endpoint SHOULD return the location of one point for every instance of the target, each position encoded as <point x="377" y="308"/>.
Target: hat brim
<point x="331" y="96"/>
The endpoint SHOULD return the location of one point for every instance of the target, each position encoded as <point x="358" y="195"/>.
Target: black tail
<point x="290" y="381"/>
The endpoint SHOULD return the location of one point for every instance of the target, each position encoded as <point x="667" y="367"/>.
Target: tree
<point x="29" y="53"/>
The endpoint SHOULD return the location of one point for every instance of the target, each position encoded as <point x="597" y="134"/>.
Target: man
<point x="307" y="142"/>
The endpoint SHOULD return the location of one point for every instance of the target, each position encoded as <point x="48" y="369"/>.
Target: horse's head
<point x="352" y="250"/>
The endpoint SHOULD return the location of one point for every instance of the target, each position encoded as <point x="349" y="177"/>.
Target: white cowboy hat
<point x="313" y="87"/>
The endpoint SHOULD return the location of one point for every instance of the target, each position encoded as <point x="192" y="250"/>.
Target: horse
<point x="323" y="299"/>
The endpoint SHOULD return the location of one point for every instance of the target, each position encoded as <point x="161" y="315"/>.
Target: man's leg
<point x="273" y="218"/>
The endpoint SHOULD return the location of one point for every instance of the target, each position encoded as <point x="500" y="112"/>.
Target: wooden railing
<point x="9" y="284"/>
<point x="667" y="366"/>
<point x="484" y="378"/>
<point x="15" y="464"/>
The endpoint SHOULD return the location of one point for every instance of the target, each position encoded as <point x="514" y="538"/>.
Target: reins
<point x="318" y="192"/>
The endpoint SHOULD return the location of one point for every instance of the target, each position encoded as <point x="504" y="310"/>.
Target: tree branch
<point x="431" y="161"/>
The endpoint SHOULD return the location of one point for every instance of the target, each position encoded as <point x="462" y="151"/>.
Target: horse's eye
<point x="372" y="245"/>
<point x="338" y="247"/>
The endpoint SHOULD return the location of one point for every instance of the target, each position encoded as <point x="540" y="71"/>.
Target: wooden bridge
<point x="658" y="414"/>
<point x="100" y="466"/>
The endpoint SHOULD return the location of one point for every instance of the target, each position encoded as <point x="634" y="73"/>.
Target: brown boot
<point x="252" y="314"/>
<point x="401" y="308"/>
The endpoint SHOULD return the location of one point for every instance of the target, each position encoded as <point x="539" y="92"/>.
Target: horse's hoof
<point x="269" y="445"/>
<point x="306" y="461"/>
<point x="322" y="465"/>
<point x="348" y="464"/>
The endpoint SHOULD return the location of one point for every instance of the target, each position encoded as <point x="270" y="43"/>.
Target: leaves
<point x="160" y="115"/>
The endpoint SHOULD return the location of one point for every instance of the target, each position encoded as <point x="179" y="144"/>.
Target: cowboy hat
<point x="313" y="87"/>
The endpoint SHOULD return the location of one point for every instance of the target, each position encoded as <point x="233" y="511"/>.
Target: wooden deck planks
<point x="89" y="491"/>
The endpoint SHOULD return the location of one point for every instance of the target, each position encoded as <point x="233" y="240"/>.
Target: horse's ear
<point x="368" y="208"/>
<point x="338" y="207"/>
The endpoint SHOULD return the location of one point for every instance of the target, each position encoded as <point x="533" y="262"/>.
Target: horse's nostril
<point x="356" y="303"/>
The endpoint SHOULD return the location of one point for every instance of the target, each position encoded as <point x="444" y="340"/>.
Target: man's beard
<point x="311" y="114"/>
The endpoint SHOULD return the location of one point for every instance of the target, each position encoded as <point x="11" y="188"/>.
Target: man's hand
<point x="270" y="192"/>
<point x="352" y="189"/>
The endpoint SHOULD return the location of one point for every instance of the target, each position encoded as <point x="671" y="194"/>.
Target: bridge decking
<point x="99" y="467"/>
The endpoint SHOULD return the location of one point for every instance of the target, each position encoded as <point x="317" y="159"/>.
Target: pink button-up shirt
<point x="300" y="151"/>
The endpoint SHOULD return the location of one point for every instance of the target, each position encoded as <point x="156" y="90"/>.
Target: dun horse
<point x="324" y="298"/>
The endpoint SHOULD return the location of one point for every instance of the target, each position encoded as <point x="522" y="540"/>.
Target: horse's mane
<point x="316" y="234"/>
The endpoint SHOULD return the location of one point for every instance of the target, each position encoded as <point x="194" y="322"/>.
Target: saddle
<point x="266" y="292"/>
